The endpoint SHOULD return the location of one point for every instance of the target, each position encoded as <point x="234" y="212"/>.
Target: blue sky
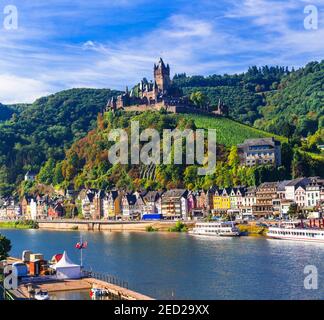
<point x="61" y="44"/>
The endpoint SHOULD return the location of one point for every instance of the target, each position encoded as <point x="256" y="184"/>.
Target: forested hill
<point x="282" y="101"/>
<point x="271" y="98"/>
<point x="45" y="129"/>
<point x="297" y="107"/>
<point x="6" y="112"/>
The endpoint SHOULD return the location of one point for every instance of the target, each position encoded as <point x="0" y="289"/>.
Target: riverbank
<point x="140" y="226"/>
<point x="120" y="226"/>
<point x="19" y="224"/>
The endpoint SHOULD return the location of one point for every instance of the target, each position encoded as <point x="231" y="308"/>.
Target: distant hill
<point x="6" y="112"/>
<point x="297" y="107"/>
<point x="275" y="99"/>
<point x="242" y="93"/>
<point x="45" y="129"/>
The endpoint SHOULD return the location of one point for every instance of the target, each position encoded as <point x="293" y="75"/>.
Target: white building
<point x="248" y="201"/>
<point x="300" y="197"/>
<point x="33" y="209"/>
<point x="293" y="185"/>
<point x="313" y="190"/>
<point x="30" y="176"/>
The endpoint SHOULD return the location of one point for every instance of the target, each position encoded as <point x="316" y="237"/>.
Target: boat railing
<point x="106" y="278"/>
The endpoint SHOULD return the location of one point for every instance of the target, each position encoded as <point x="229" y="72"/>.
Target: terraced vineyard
<point x="230" y="132"/>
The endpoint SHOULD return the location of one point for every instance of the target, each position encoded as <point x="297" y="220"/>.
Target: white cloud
<point x="16" y="89"/>
<point x="35" y="63"/>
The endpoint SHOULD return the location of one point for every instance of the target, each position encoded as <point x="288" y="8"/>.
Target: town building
<point x="313" y="192"/>
<point x="293" y="185"/>
<point x="56" y="210"/>
<point x="87" y="207"/>
<point x="265" y="194"/>
<point x="131" y="206"/>
<point x="260" y="152"/>
<point x="300" y="197"/>
<point x="112" y="205"/>
<point x="201" y="204"/>
<point x="30" y="176"/>
<point x="248" y="202"/>
<point x="221" y="201"/>
<point x="152" y="203"/>
<point x="174" y="204"/>
<point x="96" y="207"/>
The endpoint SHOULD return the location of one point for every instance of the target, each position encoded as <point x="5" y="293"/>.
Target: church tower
<point x="162" y="76"/>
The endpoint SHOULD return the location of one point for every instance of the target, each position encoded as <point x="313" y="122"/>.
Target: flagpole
<point x="81" y="250"/>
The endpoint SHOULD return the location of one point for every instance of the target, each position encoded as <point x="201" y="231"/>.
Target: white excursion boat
<point x="295" y="230"/>
<point x="220" y="229"/>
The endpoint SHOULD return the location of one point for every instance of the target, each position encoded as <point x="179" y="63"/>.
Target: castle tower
<point x="162" y="76"/>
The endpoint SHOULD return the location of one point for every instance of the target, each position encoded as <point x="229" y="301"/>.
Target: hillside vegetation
<point x="275" y="99"/>
<point x="86" y="163"/>
<point x="230" y="132"/>
<point x="298" y="107"/>
<point x="46" y="129"/>
<point x="54" y="129"/>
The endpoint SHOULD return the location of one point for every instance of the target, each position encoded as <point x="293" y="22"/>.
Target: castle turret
<point x="162" y="76"/>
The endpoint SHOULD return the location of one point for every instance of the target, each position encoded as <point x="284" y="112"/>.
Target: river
<point x="181" y="266"/>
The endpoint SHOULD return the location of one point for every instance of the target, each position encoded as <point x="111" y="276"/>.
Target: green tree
<point x="47" y="171"/>
<point x="58" y="175"/>
<point x="199" y="99"/>
<point x="292" y="211"/>
<point x="5" y="247"/>
<point x="233" y="157"/>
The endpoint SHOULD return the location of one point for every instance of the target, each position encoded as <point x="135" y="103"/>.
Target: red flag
<point x="81" y="245"/>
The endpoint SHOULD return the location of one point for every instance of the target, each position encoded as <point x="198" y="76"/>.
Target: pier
<point x="115" y="288"/>
<point x="115" y="292"/>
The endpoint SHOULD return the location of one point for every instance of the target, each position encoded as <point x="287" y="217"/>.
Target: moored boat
<point x="295" y="230"/>
<point x="97" y="292"/>
<point x="41" y="295"/>
<point x="220" y="229"/>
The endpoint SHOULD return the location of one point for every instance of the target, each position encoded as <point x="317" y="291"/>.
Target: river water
<point x="181" y="266"/>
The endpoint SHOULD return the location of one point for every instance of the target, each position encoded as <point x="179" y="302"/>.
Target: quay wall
<point x="108" y="226"/>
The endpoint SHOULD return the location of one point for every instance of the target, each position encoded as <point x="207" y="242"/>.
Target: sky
<point x="63" y="44"/>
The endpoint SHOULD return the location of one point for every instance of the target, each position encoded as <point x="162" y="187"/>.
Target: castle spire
<point x="161" y="63"/>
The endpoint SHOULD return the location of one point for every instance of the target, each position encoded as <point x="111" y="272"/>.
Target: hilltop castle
<point x="157" y="95"/>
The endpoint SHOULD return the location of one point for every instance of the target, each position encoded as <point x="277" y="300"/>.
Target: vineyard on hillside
<point x="230" y="132"/>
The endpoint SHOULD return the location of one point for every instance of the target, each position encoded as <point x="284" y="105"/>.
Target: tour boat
<point x="295" y="230"/>
<point x="41" y="295"/>
<point x="220" y="229"/>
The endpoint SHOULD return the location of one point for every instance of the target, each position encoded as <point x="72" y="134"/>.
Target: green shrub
<point x="151" y="229"/>
<point x="179" y="227"/>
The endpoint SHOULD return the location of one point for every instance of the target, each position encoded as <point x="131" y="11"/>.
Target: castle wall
<point x="171" y="109"/>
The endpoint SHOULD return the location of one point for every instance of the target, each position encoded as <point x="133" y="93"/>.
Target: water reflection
<point x="171" y="265"/>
